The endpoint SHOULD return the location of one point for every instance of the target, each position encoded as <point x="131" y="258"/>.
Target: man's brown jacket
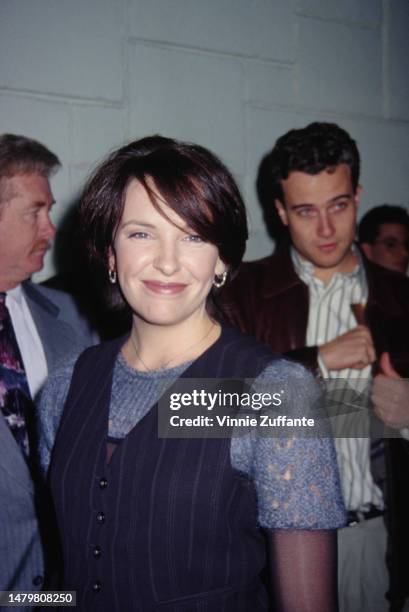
<point x="268" y="300"/>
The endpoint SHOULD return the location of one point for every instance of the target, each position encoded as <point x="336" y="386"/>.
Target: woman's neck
<point x="153" y="347"/>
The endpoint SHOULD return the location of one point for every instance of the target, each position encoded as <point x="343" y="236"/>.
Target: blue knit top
<point x="296" y="478"/>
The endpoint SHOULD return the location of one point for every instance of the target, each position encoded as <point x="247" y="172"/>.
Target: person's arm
<point x="303" y="570"/>
<point x="390" y="396"/>
<point x="50" y="403"/>
<point x="299" y="496"/>
<point x="354" y="349"/>
<point x="307" y="356"/>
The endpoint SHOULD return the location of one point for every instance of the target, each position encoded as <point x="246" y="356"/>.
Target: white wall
<point x="84" y="76"/>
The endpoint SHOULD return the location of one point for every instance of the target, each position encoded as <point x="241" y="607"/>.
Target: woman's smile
<point x="163" y="288"/>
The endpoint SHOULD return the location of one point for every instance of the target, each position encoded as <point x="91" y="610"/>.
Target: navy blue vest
<point x="167" y="525"/>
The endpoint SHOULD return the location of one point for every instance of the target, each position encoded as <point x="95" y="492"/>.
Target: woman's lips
<point x="164" y="288"/>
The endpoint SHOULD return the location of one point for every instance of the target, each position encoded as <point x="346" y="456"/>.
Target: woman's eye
<point x="139" y="235"/>
<point x="193" y="238"/>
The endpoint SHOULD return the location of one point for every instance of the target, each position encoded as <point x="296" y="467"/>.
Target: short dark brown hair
<point x="192" y="181"/>
<point x="312" y="149"/>
<point x="21" y="155"/>
<point x="370" y="224"/>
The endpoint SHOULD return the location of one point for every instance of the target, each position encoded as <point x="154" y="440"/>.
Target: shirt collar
<point x="305" y="269"/>
<point x="16" y="294"/>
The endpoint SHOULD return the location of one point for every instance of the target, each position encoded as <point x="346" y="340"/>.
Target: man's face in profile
<point x="320" y="213"/>
<point x="25" y="227"/>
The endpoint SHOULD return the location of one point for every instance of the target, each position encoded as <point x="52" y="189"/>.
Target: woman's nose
<point x="167" y="259"/>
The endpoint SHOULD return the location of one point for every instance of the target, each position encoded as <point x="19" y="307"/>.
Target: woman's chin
<point x="164" y="319"/>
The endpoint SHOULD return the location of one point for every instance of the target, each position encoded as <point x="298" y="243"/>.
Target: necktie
<point x="15" y="399"/>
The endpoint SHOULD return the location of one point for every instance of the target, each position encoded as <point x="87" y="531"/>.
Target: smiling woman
<point x="154" y="523"/>
<point x="164" y="270"/>
<point x="169" y="222"/>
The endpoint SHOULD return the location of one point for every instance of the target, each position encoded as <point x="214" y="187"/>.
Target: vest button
<point x="103" y="483"/>
<point x="97" y="552"/>
<point x="38" y="580"/>
<point x="97" y="586"/>
<point x="101" y="518"/>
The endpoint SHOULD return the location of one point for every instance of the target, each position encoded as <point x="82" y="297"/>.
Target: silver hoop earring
<point x="219" y="280"/>
<point x="112" y="276"/>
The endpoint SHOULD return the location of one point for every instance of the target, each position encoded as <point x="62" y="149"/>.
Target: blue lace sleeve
<point x="296" y="477"/>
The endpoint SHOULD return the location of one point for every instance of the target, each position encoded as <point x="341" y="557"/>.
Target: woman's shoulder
<point x="239" y="341"/>
<point x="280" y="366"/>
<point x="273" y="364"/>
<point x="57" y="383"/>
<point x="55" y="390"/>
<point x="298" y="388"/>
<point x="106" y="348"/>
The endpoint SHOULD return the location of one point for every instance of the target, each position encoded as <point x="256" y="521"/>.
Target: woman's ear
<point x="221" y="267"/>
<point x="111" y="259"/>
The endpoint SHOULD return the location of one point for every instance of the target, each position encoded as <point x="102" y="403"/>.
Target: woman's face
<point x="165" y="271"/>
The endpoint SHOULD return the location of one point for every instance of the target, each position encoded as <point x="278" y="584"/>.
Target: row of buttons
<point x="97" y="550"/>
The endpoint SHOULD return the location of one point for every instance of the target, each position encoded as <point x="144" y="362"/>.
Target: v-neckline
<point x="109" y="458"/>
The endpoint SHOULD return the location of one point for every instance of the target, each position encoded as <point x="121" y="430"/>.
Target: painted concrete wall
<point x="84" y="76"/>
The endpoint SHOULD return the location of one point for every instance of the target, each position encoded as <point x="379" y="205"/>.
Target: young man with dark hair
<point x="298" y="301"/>
<point x="39" y="328"/>
<point x="383" y="235"/>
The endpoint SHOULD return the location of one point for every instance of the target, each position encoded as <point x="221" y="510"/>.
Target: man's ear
<point x="357" y="196"/>
<point x="367" y="249"/>
<point x="281" y="211"/>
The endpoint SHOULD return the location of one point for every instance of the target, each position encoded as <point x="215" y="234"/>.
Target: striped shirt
<point x="330" y="315"/>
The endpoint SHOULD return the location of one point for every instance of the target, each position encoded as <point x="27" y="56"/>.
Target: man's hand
<point x="390" y="395"/>
<point x="354" y="349"/>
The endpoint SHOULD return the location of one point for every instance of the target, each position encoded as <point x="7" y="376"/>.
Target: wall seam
<point x="386" y="102"/>
<point x="61" y="99"/>
<point x="168" y="46"/>
<point x="347" y="22"/>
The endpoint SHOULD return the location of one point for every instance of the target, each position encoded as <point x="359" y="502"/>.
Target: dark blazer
<point x="62" y="331"/>
<point x="268" y="300"/>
